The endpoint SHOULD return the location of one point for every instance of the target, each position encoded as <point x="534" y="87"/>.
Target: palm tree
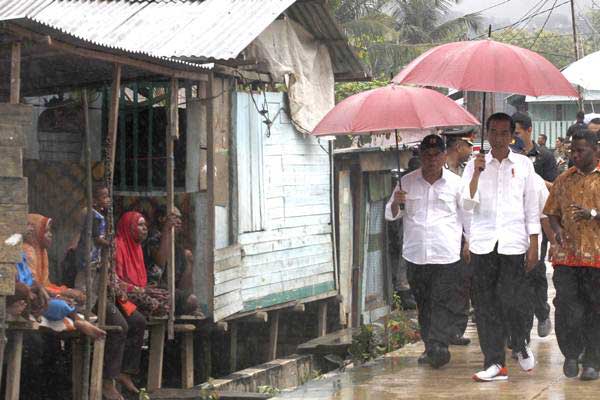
<point x="390" y="33"/>
<point x="425" y="21"/>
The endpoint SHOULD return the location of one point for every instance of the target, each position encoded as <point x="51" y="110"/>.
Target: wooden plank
<point x="15" y="73"/>
<point x="172" y="134"/>
<point x="227" y="287"/>
<point x="11" y="162"/>
<point x="228" y="252"/>
<point x="228" y="275"/>
<point x="13" y="366"/>
<point x="273" y="336"/>
<point x="155" y="362"/>
<point x="228" y="264"/>
<point x="284" y="244"/>
<point x="284" y="233"/>
<point x="233" y="346"/>
<point x="287" y="291"/>
<point x="113" y="117"/>
<point x="210" y="164"/>
<point x="322" y="319"/>
<point x="187" y="360"/>
<point x="223" y="300"/>
<point x="288" y="275"/>
<point x="77" y="373"/>
<point x="345" y="224"/>
<point x="286" y="262"/>
<point x="97" y="367"/>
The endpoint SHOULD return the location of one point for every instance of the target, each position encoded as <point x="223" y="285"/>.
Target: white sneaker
<point x="526" y="359"/>
<point x="494" y="373"/>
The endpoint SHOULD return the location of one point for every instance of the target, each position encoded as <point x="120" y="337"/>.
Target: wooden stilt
<point x="113" y="120"/>
<point x="233" y="346"/>
<point x="13" y="366"/>
<point x="322" y="317"/>
<point x="77" y="373"/>
<point x="187" y="359"/>
<point x="273" y="336"/>
<point x="155" y="364"/>
<point x="172" y="134"/>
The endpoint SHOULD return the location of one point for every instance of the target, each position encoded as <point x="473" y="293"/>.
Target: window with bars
<point x="140" y="165"/>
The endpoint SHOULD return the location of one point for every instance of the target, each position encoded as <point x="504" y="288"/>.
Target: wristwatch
<point x="593" y="213"/>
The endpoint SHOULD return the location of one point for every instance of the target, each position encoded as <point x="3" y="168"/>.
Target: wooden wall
<point x="288" y="255"/>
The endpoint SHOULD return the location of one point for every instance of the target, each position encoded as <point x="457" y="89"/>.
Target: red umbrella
<point x="393" y="107"/>
<point x="486" y="66"/>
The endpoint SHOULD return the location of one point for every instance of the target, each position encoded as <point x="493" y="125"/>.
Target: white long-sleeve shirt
<point x="433" y="218"/>
<point x="505" y="206"/>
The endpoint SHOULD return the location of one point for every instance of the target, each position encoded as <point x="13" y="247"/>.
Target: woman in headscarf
<point x="33" y="271"/>
<point x="131" y="270"/>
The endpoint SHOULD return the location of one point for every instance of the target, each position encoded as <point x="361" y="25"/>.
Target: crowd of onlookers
<point x="136" y="285"/>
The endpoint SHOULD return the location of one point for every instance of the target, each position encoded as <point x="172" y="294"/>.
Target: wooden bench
<point x="15" y="330"/>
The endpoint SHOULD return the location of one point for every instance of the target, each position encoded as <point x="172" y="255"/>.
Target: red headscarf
<point x="130" y="265"/>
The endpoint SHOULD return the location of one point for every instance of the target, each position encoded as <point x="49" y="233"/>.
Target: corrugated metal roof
<point x="218" y="29"/>
<point x="187" y="29"/>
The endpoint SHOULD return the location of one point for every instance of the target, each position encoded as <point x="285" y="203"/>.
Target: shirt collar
<point x="512" y="157"/>
<point x="445" y="172"/>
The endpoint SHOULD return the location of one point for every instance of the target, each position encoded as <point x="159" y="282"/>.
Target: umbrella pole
<point x="398" y="161"/>
<point x="483" y="121"/>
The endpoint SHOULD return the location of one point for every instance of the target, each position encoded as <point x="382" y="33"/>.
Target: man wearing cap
<point x="500" y="190"/>
<point x="430" y="205"/>
<point x="458" y="151"/>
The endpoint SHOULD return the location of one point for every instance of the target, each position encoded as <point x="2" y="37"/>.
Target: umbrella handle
<point x="398" y="160"/>
<point x="481" y="150"/>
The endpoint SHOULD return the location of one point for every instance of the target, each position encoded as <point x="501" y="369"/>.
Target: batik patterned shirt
<point x="581" y="240"/>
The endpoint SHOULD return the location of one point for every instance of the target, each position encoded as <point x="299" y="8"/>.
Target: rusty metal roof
<point x="201" y="30"/>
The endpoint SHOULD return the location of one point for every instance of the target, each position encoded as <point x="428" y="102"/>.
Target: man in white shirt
<point x="430" y="205"/>
<point x="500" y="190"/>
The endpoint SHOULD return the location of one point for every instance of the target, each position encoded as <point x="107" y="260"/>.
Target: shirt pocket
<point x="414" y="202"/>
<point x="447" y="201"/>
<point x="516" y="186"/>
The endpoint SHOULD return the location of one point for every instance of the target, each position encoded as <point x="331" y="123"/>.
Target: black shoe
<point x="460" y="341"/>
<point x="407" y="300"/>
<point x="423" y="358"/>
<point x="438" y="356"/>
<point x="571" y="368"/>
<point x="589" y="374"/>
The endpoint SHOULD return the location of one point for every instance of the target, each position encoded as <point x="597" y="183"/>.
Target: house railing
<point x="552" y="129"/>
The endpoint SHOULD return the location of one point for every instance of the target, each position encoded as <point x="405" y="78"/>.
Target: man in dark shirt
<point x="578" y="125"/>
<point x="545" y="166"/>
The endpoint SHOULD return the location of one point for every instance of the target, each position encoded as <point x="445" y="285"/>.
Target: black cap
<point x="433" y="142"/>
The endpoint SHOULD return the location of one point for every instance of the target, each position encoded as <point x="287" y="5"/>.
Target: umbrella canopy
<point x="393" y="107"/>
<point x="584" y="72"/>
<point x="486" y="66"/>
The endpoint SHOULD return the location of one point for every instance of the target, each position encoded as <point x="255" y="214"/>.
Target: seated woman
<point x="33" y="271"/>
<point x="130" y="267"/>
<point x="156" y="256"/>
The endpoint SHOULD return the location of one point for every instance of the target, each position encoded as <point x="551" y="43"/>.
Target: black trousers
<point x="539" y="293"/>
<point x="502" y="303"/>
<point x="434" y="287"/>
<point x="123" y="349"/>
<point x="577" y="312"/>
<point x="464" y="292"/>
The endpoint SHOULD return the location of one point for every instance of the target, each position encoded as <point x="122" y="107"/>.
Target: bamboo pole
<point x="88" y="245"/>
<point x="113" y="120"/>
<point x="172" y="135"/>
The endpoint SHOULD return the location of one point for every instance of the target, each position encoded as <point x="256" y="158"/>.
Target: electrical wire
<point x="543" y="26"/>
<point x="521" y="20"/>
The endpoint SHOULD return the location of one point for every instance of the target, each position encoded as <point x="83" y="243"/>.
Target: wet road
<point x="397" y="376"/>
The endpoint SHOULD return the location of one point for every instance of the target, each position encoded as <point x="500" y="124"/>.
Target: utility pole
<point x="576" y="47"/>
